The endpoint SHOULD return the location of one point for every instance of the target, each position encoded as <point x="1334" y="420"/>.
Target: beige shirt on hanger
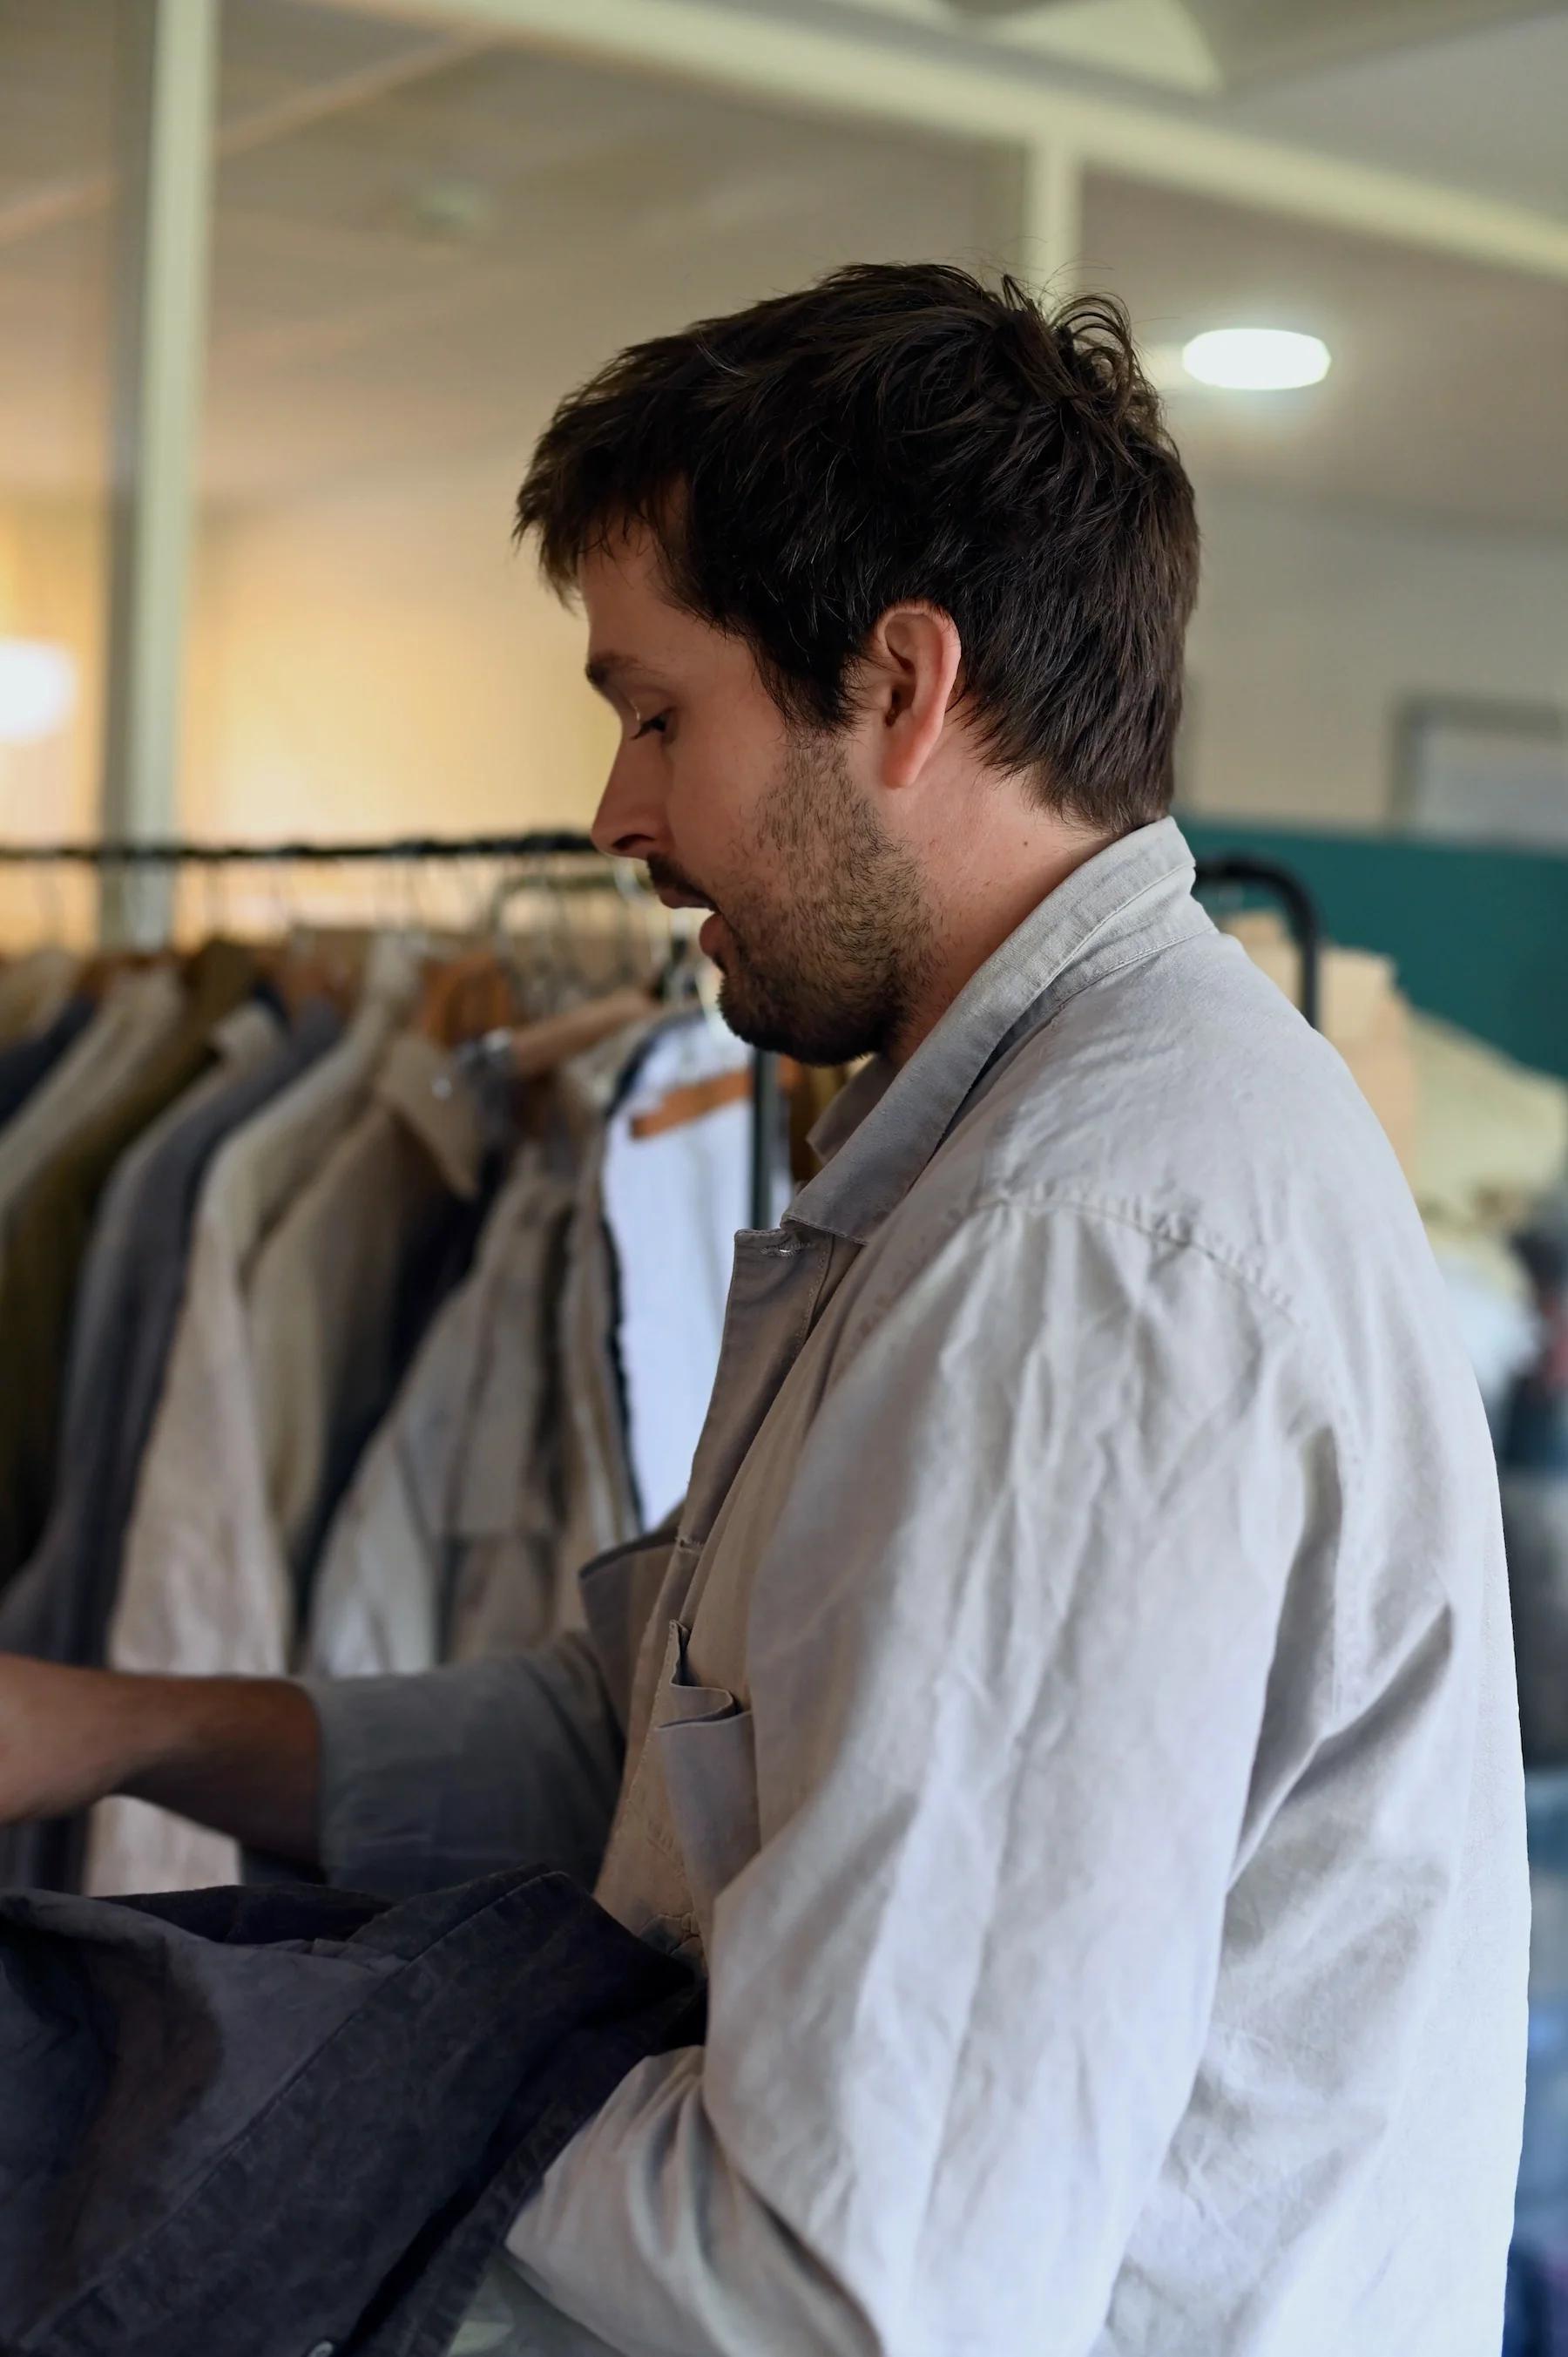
<point x="504" y="1464"/>
<point x="205" y="1586"/>
<point x="446" y="1545"/>
<point x="139" y="1014"/>
<point x="326" y="1292"/>
<point x="1073" y="1722"/>
<point x="34" y="989"/>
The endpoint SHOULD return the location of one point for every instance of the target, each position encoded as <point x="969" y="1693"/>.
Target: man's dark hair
<point x="906" y="431"/>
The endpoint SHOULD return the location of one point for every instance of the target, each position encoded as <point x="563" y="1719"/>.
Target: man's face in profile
<point x="817" y="921"/>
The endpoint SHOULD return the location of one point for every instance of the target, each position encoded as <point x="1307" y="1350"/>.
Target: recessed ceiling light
<point x="1256" y="359"/>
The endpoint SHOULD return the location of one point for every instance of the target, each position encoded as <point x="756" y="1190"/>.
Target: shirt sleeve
<point x="1008" y="1654"/>
<point x="444" y="1775"/>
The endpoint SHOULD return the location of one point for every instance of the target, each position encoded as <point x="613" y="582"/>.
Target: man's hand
<point x="239" y="1754"/>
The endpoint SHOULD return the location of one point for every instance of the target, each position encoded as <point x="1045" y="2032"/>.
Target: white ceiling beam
<point x="60" y="201"/>
<point x="890" y="79"/>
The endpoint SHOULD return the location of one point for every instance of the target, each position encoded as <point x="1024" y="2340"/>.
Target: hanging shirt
<point x="595" y="1304"/>
<point x="48" y="1227"/>
<point x="445" y="1546"/>
<point x="33" y="990"/>
<point x="139" y="1014"/>
<point x="1072" y="1718"/>
<point x="673" y="1197"/>
<point x="205" y="1586"/>
<point x="27" y="1062"/>
<point x="343" y="1288"/>
<point x="126" y="1316"/>
<point x="599" y="1494"/>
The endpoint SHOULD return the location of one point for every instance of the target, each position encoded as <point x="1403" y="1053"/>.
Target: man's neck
<point x="1000" y="884"/>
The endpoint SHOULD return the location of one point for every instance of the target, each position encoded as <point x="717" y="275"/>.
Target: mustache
<point x="665" y="877"/>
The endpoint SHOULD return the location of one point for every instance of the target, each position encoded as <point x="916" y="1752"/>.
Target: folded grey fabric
<point x="272" y="2121"/>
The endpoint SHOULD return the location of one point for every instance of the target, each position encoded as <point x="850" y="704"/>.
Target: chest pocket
<point x="700" y="1764"/>
<point x="618" y="1594"/>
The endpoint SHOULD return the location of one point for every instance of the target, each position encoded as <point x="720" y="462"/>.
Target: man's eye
<point x="656" y="726"/>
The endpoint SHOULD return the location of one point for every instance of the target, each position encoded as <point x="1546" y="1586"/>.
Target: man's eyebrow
<point x="605" y="672"/>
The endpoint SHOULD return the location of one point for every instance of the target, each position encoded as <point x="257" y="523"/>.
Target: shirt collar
<point x="419" y="1083"/>
<point x="246" y="1035"/>
<point x="1122" y="905"/>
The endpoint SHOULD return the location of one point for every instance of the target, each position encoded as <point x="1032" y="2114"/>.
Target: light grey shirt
<point x="1072" y="1721"/>
<point x="443" y="1547"/>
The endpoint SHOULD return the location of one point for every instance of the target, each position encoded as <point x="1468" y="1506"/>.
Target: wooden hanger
<point x="102" y="970"/>
<point x="691" y="1101"/>
<point x="463" y="998"/>
<point x="555" y="1039"/>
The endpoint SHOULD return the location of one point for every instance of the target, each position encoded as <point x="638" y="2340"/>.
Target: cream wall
<point x="53" y="559"/>
<point x="1313" y="626"/>
<point x="383" y="662"/>
<point x="52" y="586"/>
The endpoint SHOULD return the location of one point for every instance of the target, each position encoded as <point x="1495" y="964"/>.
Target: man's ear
<point x="908" y="674"/>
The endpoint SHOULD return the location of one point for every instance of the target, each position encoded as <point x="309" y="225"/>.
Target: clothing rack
<point x="173" y="851"/>
<point x="132" y="853"/>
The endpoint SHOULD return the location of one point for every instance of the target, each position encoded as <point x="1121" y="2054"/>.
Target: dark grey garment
<point x="286" y="2121"/>
<point x="128" y="1308"/>
<point x="510" y="1758"/>
<point x="29" y="1061"/>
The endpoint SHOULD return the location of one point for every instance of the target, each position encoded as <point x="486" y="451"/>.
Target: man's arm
<point x="1008" y="1653"/>
<point x="240" y="1754"/>
<point x="391" y="1784"/>
<point x="441" y="1776"/>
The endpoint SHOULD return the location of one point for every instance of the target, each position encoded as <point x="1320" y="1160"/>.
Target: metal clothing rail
<point x="1233" y="871"/>
<point x="539" y="843"/>
<point x="173" y="853"/>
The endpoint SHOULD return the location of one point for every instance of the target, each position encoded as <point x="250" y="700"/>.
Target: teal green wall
<point x="1478" y="935"/>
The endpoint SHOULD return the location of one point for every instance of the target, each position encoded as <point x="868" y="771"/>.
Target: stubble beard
<point x="832" y="943"/>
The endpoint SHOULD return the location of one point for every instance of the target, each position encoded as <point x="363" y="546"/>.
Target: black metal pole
<point x="765" y="1102"/>
<point x="1300" y="907"/>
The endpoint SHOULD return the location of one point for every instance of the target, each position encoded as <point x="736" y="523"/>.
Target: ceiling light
<point x="1256" y="359"/>
<point x="37" y="690"/>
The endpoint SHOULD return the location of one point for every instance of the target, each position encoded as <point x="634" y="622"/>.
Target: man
<point x="1072" y="1716"/>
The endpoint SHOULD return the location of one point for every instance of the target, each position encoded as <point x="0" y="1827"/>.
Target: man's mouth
<point x="681" y="896"/>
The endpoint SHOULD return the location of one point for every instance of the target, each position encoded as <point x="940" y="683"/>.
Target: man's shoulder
<point x="1187" y="1090"/>
<point x="1182" y="1109"/>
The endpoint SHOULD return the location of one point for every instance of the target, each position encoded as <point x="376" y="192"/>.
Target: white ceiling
<point x="1482" y="109"/>
<point x="1449" y="386"/>
<point x="1487" y="112"/>
<point x="431" y="273"/>
<point x="413" y="257"/>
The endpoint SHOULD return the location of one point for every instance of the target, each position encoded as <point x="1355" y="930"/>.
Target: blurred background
<point x="287" y="288"/>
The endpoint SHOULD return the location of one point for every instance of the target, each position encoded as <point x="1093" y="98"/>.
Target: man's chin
<point x="758" y="1026"/>
<point x="771" y="1030"/>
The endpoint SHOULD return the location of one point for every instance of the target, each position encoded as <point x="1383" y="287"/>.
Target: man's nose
<point x="629" y="824"/>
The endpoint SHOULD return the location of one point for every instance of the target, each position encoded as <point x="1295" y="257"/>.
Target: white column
<point x="168" y="75"/>
<point x="1036" y="227"/>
